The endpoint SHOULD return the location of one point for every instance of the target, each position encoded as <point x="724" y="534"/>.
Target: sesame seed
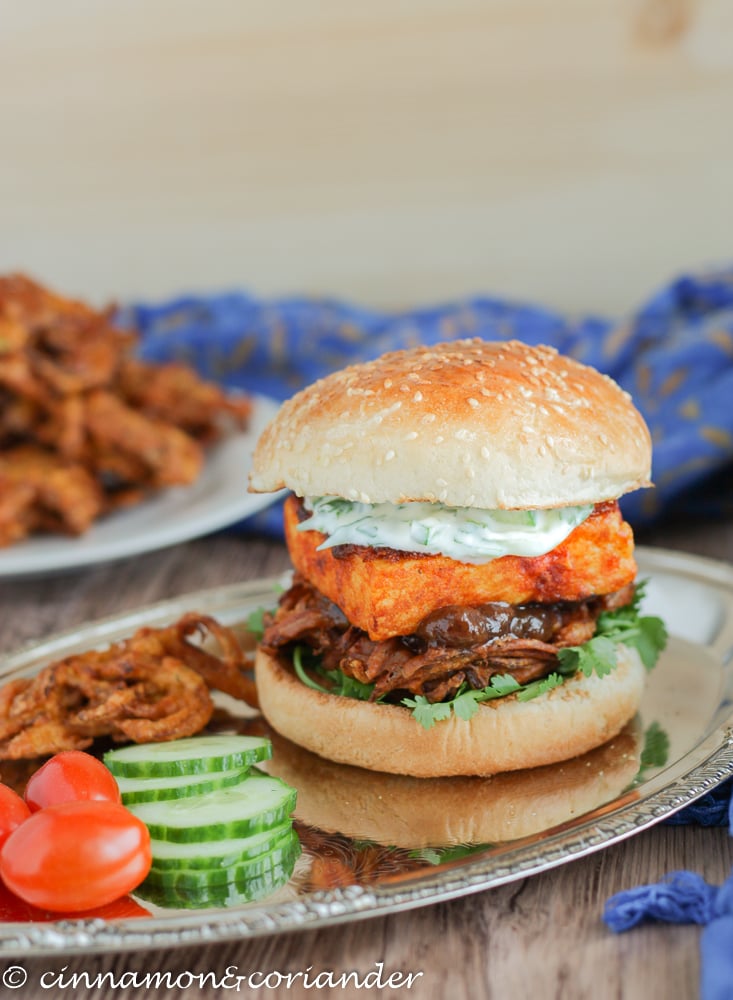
<point x="485" y="453"/>
<point x="418" y="397"/>
<point x="439" y="439"/>
<point x="441" y="482"/>
<point x="473" y="402"/>
<point x="411" y="436"/>
<point x="389" y="456"/>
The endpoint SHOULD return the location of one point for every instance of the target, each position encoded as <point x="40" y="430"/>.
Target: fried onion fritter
<point x="71" y="389"/>
<point x="152" y="687"/>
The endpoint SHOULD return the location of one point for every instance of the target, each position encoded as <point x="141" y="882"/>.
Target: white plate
<point x="560" y="812"/>
<point x="218" y="498"/>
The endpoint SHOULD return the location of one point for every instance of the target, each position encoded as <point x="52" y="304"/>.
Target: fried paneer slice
<point x="388" y="593"/>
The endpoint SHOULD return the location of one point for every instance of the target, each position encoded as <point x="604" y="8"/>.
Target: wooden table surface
<point x="538" y="937"/>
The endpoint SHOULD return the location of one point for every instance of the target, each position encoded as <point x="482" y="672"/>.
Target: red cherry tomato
<point x="69" y="776"/>
<point x="76" y="856"/>
<point x="13" y="811"/>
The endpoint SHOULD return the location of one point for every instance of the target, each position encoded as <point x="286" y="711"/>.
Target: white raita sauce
<point x="467" y="534"/>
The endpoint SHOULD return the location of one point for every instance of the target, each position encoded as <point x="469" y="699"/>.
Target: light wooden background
<point x="394" y="152"/>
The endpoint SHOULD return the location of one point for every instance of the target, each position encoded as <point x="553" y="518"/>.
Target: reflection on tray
<point x="412" y="813"/>
<point x="364" y="827"/>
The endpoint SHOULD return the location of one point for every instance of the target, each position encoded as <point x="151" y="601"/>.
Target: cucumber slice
<point x="216" y="853"/>
<point x="190" y="880"/>
<point x="223" y="894"/>
<point x="179" y="786"/>
<point x="259" y="803"/>
<point x="192" y="755"/>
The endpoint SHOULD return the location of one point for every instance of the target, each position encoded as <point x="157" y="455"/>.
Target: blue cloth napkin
<point x="685" y="898"/>
<point x="674" y="354"/>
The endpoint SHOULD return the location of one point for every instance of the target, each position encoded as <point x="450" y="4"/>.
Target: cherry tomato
<point x="13" y="811"/>
<point x="76" y="856"/>
<point x="69" y="776"/>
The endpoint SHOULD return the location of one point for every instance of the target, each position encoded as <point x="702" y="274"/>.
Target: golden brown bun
<point x="504" y="735"/>
<point x="438" y="812"/>
<point x="467" y="423"/>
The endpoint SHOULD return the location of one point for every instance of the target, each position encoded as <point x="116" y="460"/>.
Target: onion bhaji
<point x="152" y="687"/>
<point x="77" y="407"/>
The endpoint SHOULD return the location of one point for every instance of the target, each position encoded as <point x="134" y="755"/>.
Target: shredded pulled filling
<point x="452" y="646"/>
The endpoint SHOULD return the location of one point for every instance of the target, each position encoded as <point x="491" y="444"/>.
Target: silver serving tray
<point x="528" y="822"/>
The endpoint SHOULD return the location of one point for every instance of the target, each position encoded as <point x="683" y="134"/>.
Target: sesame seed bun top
<point x="469" y="423"/>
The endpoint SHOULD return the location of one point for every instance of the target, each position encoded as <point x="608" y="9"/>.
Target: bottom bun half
<point x="503" y="735"/>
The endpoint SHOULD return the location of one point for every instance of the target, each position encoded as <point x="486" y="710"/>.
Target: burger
<point x="464" y="598"/>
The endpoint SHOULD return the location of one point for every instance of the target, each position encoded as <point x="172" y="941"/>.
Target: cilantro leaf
<point x="535" y="688"/>
<point x="465" y="705"/>
<point x="647" y="634"/>
<point x="651" y="640"/>
<point x="656" y="747"/>
<point x="256" y="623"/>
<point x="597" y="656"/>
<point x="501" y="685"/>
<point x="427" y="713"/>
